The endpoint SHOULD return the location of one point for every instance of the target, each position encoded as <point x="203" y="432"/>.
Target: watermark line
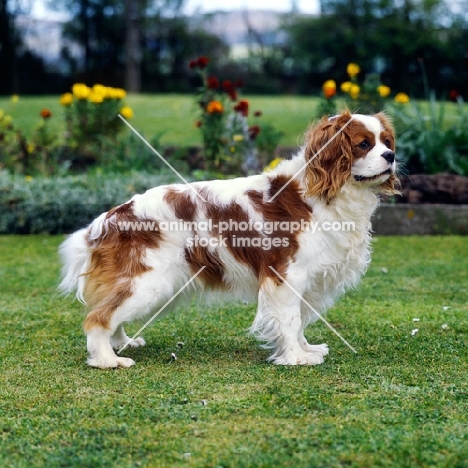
<point x="314" y="311"/>
<point x="311" y="159"/>
<point x="160" y="157"/>
<point x="161" y="309"/>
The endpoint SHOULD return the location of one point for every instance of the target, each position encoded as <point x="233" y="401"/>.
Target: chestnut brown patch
<point x="116" y="258"/>
<point x="258" y="249"/>
<point x="213" y="273"/>
<point x="288" y="206"/>
<point x="184" y="207"/>
<point x="388" y="133"/>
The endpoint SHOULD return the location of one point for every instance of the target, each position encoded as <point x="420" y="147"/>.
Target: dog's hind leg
<point x="120" y="338"/>
<point x="104" y="326"/>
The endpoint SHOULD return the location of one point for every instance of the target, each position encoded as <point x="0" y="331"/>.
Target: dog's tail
<point x="75" y="253"/>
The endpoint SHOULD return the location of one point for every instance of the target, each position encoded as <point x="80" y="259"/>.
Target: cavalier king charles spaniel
<point x="293" y="239"/>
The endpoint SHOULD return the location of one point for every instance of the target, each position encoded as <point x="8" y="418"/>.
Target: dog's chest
<point x="340" y="255"/>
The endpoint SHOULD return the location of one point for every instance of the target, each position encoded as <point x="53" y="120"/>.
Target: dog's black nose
<point x="389" y="156"/>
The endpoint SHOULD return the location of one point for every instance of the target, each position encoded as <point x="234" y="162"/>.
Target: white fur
<point x="326" y="264"/>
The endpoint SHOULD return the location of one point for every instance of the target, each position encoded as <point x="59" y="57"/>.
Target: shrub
<point x="428" y="141"/>
<point x="367" y="97"/>
<point x="36" y="155"/>
<point x="229" y="142"/>
<point x="30" y="205"/>
<point x="92" y="121"/>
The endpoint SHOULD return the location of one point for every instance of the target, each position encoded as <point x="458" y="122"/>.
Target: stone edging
<point x="420" y="219"/>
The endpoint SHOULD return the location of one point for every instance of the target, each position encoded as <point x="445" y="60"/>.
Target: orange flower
<point x="329" y="88"/>
<point x="214" y="107"/>
<point x="46" y="114"/>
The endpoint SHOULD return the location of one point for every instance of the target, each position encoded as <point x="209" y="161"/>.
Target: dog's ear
<point x="329" y="156"/>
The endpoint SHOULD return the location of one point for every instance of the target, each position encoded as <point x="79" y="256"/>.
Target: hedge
<point x="63" y="204"/>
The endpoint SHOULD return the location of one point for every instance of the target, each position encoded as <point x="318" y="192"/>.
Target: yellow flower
<point x="346" y="86"/>
<point x="402" y="98"/>
<point x="81" y="91"/>
<point x="354" y="91"/>
<point x="66" y="99"/>
<point x="95" y="98"/>
<point x="30" y="149"/>
<point x="383" y="90"/>
<point x="7" y="119"/>
<point x="273" y="164"/>
<point x="126" y="112"/>
<point x="116" y="93"/>
<point x="353" y="69"/>
<point x="14" y="98"/>
<point x="28" y="178"/>
<point x="99" y="89"/>
<point x="329" y="88"/>
<point x="214" y="107"/>
<point x="238" y="137"/>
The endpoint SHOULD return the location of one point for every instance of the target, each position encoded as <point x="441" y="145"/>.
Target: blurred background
<point x="287" y="46"/>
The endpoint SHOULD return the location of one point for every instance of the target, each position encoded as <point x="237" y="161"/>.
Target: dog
<point x="293" y="238"/>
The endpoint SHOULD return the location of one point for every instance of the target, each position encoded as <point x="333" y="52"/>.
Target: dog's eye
<point x="388" y="143"/>
<point x="364" y="144"/>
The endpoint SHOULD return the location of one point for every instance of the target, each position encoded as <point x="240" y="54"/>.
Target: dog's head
<point x="351" y="148"/>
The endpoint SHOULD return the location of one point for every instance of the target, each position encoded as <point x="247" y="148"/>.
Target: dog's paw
<point x="320" y="349"/>
<point x="128" y="342"/>
<point x="298" y="359"/>
<point x="110" y="363"/>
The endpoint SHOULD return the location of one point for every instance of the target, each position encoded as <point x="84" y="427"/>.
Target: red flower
<point x="453" y="95"/>
<point x="242" y="107"/>
<point x="258" y="114"/>
<point x="46" y="114"/>
<point x="212" y="82"/>
<point x="230" y="90"/>
<point x="232" y="94"/>
<point x="254" y="130"/>
<point x="238" y="84"/>
<point x="227" y="85"/>
<point x="202" y="62"/>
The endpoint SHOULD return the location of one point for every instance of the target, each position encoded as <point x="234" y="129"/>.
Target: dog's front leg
<point x="279" y="323"/>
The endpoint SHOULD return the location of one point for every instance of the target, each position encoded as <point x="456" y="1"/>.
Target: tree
<point x="382" y="37"/>
<point x="112" y="34"/>
<point x="133" y="22"/>
<point x="9" y="45"/>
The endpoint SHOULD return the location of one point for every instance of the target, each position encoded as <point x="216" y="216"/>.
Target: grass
<point x="401" y="402"/>
<point x="174" y="115"/>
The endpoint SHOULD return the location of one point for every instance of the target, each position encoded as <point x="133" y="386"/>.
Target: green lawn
<point x="174" y="115"/>
<point x="401" y="402"/>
